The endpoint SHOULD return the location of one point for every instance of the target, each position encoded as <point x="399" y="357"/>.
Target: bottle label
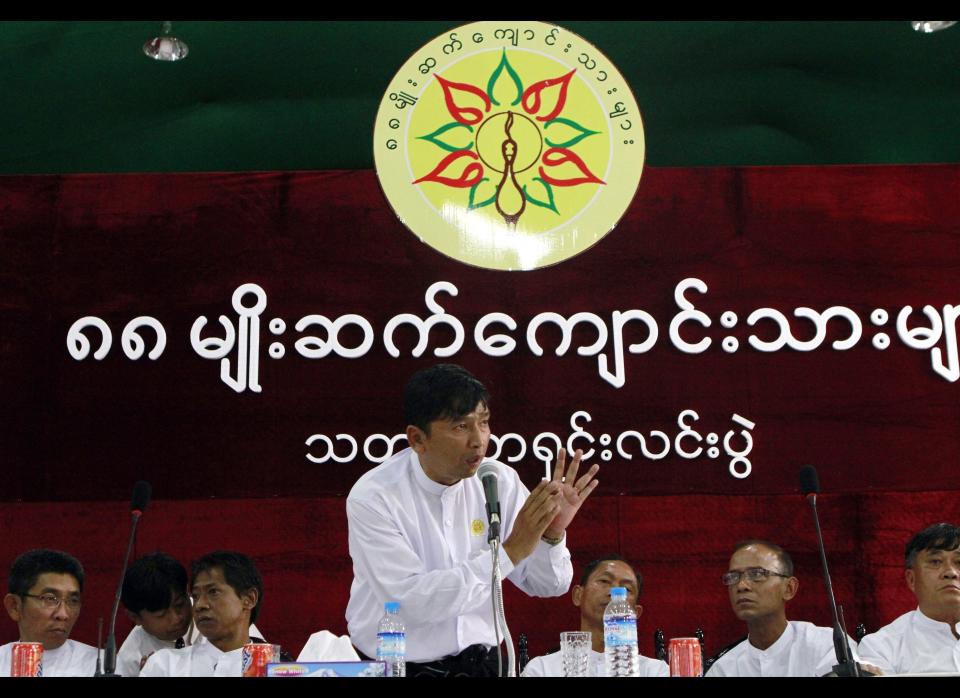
<point x="391" y="645"/>
<point x="619" y="632"/>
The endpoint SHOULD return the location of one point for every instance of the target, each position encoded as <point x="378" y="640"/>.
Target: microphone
<point x="809" y="482"/>
<point x="488" y="476"/>
<point x="141" y="498"/>
<point x="138" y="504"/>
<point x="846" y="666"/>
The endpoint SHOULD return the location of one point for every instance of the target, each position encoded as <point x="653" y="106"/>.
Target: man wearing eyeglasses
<point x="43" y="599"/>
<point x="760" y="582"/>
<point x="927" y="639"/>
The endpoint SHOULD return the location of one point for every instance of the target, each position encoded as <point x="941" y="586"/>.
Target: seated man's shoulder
<point x="872" y="644"/>
<point x="808" y="632"/>
<point x="165" y="662"/>
<point x="653" y="667"/>
<point x="545" y="665"/>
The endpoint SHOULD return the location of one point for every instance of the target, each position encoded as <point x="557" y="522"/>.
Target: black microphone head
<point x="809" y="482"/>
<point x="141" y="496"/>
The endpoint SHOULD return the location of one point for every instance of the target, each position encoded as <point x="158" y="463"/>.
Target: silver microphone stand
<point x="499" y="617"/>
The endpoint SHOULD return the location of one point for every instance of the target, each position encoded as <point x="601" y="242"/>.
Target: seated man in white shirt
<point x="760" y="582"/>
<point x="927" y="639"/>
<point x="44" y="597"/>
<point x="226" y="589"/>
<point x="591" y="596"/>
<point x="154" y="596"/>
<point x="418" y="530"/>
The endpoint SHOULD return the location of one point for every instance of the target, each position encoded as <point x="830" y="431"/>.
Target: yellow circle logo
<point x="477" y="527"/>
<point x="509" y="145"/>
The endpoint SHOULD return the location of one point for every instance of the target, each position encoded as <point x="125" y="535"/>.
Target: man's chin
<point x="53" y="641"/>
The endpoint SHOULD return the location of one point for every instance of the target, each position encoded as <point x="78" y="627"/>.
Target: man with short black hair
<point x="45" y="592"/>
<point x="154" y="595"/>
<point x="926" y="639"/>
<point x="418" y="530"/>
<point x="591" y="596"/>
<point x="226" y="589"/>
<point x="760" y="582"/>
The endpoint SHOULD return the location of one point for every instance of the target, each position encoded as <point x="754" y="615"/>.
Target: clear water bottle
<point x="621" y="657"/>
<point x="392" y="640"/>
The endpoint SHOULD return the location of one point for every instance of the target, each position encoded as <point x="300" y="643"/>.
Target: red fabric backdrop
<point x="230" y="470"/>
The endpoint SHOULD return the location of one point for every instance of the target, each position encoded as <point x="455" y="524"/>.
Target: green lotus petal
<point x="505" y="64"/>
<point x="579" y="132"/>
<point x="549" y="203"/>
<point x="435" y="137"/>
<point x="473" y="193"/>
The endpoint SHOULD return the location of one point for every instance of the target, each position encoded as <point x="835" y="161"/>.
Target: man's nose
<point x="476" y="435"/>
<point x="61" y="612"/>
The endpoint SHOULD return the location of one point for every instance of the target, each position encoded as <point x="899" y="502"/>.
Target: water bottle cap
<point x="391" y="606"/>
<point x="618" y="593"/>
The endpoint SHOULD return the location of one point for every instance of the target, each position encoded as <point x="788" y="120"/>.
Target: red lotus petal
<point x="471" y="174"/>
<point x="559" y="156"/>
<point x="532" y="97"/>
<point x="464" y="114"/>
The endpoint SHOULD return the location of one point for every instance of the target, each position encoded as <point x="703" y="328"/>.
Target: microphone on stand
<point x="846" y="666"/>
<point x="488" y="476"/>
<point x="138" y="504"/>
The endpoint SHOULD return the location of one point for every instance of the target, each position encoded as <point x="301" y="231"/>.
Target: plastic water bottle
<point x="621" y="657"/>
<point x="392" y="640"/>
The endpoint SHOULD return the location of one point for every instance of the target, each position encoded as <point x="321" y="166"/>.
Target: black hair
<point x="941" y="536"/>
<point x="238" y="571"/>
<point x="30" y="565"/>
<point x="444" y="391"/>
<point x="592" y="567"/>
<point x="151" y="582"/>
<point x="786" y="562"/>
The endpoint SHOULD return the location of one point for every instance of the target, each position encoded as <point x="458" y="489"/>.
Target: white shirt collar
<point x="937" y="626"/>
<point x="779" y="647"/>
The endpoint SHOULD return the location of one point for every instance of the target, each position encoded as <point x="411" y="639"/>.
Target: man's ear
<point x="12" y="602"/>
<point x="417" y="438"/>
<point x="249" y="598"/>
<point x="639" y="611"/>
<point x="911" y="578"/>
<point x="790" y="588"/>
<point x="134" y="617"/>
<point x="577" y="595"/>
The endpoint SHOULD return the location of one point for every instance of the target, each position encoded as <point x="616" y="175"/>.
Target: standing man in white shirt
<point x="418" y="530"/>
<point x="45" y="592"/>
<point x="760" y="582"/>
<point x="927" y="639"/>
<point x="591" y="596"/>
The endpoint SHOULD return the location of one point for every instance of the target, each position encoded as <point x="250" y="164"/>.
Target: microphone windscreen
<point x="141" y="496"/>
<point x="488" y="468"/>
<point x="809" y="482"/>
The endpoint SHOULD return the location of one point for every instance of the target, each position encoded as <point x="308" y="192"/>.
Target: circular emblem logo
<point x="509" y="145"/>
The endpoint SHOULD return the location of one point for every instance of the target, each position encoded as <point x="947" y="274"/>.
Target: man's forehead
<point x="479" y="412"/>
<point x="750" y="554"/>
<point x="209" y="577"/>
<point x="55" y="581"/>
<point x="927" y="552"/>
<point x="614" y="568"/>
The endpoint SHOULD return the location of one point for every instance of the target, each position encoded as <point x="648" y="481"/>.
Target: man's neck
<point x="762" y="633"/>
<point x="234" y="642"/>
<point x="596" y="634"/>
